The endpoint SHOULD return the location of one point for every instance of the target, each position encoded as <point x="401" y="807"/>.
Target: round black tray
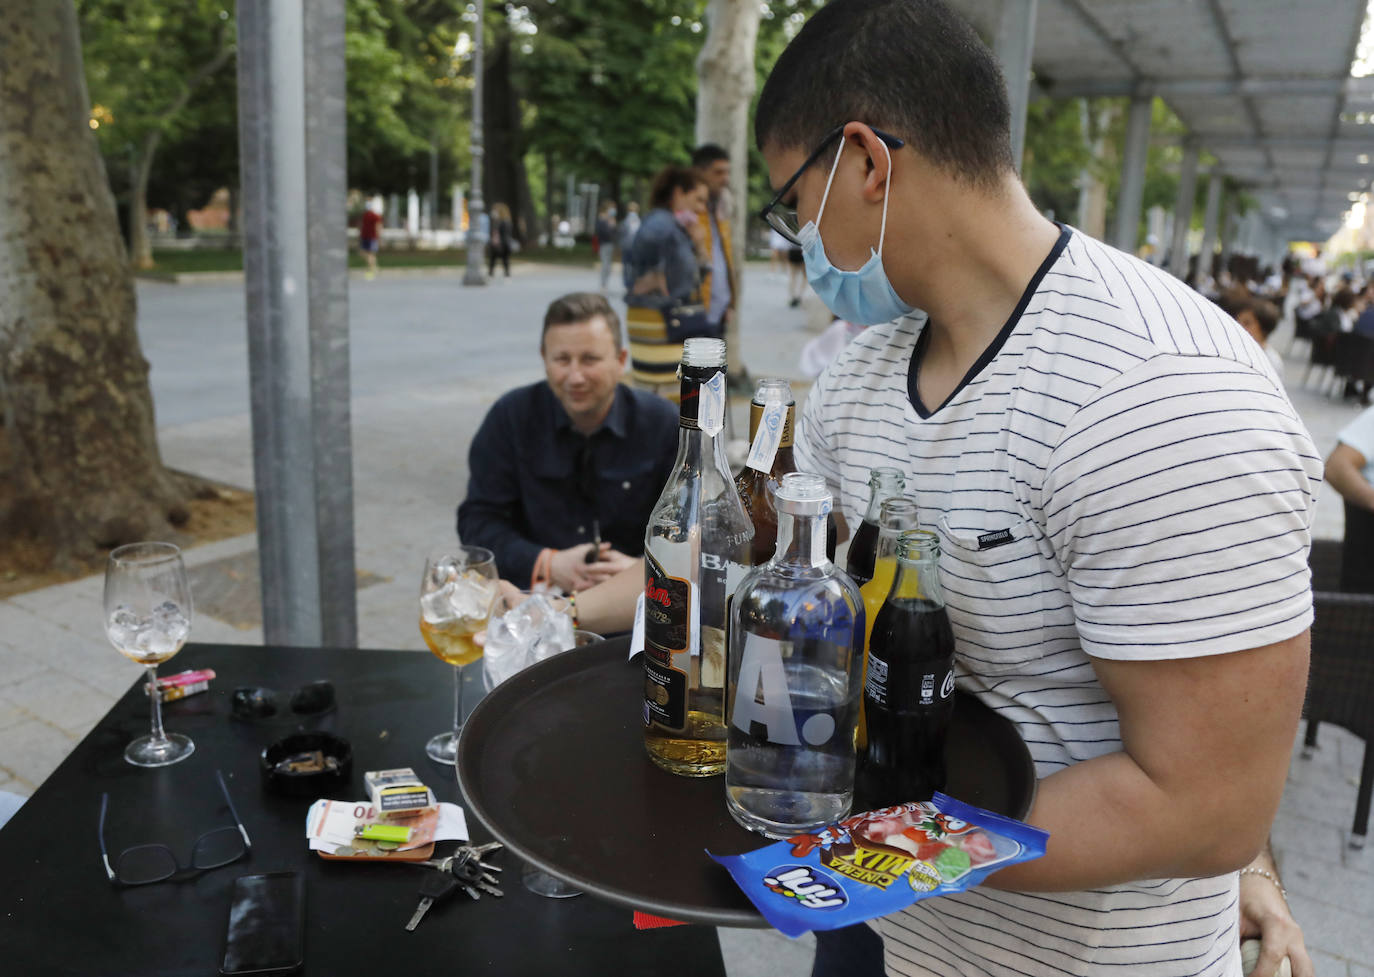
<point x="553" y="763"/>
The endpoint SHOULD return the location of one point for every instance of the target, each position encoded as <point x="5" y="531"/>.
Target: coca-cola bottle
<point x="909" y="685"/>
<point x="696" y="551"/>
<point x="883" y="483"/>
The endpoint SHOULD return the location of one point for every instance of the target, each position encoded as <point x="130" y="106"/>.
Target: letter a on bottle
<point x="762" y="676"/>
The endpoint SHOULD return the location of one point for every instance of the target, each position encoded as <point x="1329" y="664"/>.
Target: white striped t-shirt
<point x="1157" y="487"/>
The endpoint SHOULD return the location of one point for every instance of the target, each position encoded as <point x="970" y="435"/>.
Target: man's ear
<point x="878" y="159"/>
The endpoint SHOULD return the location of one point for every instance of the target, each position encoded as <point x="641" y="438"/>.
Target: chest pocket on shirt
<point x="995" y="585"/>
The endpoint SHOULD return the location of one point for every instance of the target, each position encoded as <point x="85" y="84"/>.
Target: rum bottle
<point x="696" y="552"/>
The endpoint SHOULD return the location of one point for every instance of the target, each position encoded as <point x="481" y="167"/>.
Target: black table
<point x="59" y="914"/>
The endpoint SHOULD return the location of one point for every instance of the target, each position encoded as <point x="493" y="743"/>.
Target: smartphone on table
<point x="266" y="922"/>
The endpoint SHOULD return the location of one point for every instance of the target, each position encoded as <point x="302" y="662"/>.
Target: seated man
<point x="574" y="459"/>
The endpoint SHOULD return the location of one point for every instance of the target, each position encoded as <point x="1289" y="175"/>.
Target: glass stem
<point x="457" y="706"/>
<point x="158" y="734"/>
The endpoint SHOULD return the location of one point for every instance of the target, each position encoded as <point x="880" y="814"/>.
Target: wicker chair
<point x="1340" y="687"/>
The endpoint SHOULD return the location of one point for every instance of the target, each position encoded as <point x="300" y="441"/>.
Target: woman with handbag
<point x="663" y="271"/>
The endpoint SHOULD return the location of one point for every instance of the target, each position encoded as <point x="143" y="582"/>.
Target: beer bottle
<point x="909" y="686"/>
<point x="772" y="414"/>
<point x="696" y="551"/>
<point x="883" y="483"/>
<point x="896" y="516"/>
<point x="796" y="633"/>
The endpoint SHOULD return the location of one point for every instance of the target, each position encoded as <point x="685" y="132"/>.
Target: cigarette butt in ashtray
<point x="1249" y="956"/>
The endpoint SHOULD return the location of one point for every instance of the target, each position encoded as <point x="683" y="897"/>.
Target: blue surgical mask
<point x="864" y="297"/>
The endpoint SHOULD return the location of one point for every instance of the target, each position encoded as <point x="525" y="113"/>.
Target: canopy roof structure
<point x="1266" y="86"/>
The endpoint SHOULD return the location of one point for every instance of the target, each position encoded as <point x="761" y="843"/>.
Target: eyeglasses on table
<point x="146" y="864"/>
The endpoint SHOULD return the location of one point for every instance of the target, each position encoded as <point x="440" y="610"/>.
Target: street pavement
<point x="428" y="358"/>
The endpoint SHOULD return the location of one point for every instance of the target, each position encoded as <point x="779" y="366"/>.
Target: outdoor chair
<point x="1340" y="686"/>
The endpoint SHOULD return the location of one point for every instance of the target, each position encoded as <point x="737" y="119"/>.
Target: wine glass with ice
<point x="148" y="618"/>
<point x="456" y="596"/>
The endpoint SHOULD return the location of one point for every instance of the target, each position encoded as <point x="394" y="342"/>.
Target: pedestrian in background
<point x="606" y="240"/>
<point x="502" y="236"/>
<point x="369" y="235"/>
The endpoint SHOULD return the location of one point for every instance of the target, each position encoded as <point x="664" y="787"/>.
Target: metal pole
<point x="1014" y="48"/>
<point x="1209" y="224"/>
<point x="1183" y="210"/>
<point x="290" y="56"/>
<point x="476" y="239"/>
<point x="1133" y="173"/>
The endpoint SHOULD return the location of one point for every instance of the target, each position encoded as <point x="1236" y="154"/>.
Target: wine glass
<point x="457" y="593"/>
<point x="147" y="618"/>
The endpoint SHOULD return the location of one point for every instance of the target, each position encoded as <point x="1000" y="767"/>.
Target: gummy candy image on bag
<point x="879" y="862"/>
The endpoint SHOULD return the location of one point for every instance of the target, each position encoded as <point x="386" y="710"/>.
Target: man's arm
<point x="488" y="516"/>
<point x="1206" y="745"/>
<point x="1345" y="472"/>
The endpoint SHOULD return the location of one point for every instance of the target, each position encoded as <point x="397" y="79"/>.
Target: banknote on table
<point x="333" y="825"/>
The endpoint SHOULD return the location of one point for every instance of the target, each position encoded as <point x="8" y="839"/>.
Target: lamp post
<point x="476" y="238"/>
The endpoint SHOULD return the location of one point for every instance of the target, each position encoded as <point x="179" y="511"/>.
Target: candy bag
<point x="879" y="862"/>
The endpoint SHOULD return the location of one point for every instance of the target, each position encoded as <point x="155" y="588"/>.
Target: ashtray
<point x="307" y="765"/>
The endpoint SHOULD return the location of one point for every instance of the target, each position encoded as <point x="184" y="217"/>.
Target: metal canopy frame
<point x="1263" y="85"/>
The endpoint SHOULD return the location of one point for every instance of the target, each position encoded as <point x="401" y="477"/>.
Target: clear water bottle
<point x="796" y="659"/>
<point x="696" y="552"/>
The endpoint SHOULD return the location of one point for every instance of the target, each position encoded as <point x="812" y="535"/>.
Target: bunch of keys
<point x="463" y="869"/>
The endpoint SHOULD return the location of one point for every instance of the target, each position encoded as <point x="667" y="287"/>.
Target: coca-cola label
<point x="875" y="681"/>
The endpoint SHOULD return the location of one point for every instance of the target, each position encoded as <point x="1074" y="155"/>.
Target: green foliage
<point x="611" y="84"/>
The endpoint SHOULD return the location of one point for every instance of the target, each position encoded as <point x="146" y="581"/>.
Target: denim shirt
<point x="663" y="245"/>
<point x="524" y="491"/>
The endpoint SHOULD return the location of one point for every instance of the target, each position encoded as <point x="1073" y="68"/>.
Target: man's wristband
<point x="572" y="608"/>
<point x="1265" y="873"/>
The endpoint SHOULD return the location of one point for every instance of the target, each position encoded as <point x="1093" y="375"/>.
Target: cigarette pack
<point x="392" y="791"/>
<point x="182" y="684"/>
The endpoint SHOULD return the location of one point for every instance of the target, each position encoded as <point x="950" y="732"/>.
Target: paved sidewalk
<point x="427" y="363"/>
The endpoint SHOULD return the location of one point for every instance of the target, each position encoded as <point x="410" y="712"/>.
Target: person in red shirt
<point x="369" y="235"/>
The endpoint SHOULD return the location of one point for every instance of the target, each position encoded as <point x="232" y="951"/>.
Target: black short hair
<point x="672" y="177"/>
<point x="578" y="307"/>
<point x="913" y="68"/>
<point x="707" y="153"/>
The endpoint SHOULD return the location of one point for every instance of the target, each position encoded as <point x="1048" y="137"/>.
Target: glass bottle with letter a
<point x="796" y="642"/>
<point x="909" y="685"/>
<point x="772" y="415"/>
<point x="696" y="552"/>
<point x="883" y="483"/>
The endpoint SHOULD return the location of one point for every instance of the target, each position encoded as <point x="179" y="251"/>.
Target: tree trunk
<point x="140" y="244"/>
<point x="505" y="177"/>
<point x="725" y="89"/>
<point x="83" y="465"/>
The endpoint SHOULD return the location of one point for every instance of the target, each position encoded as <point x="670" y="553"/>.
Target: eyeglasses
<point x="258" y="703"/>
<point x="145" y="864"/>
<point x="782" y="217"/>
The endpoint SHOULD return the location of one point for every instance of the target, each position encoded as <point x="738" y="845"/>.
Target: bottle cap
<point x="803" y="494"/>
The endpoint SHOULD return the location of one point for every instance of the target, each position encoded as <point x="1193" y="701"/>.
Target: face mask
<point x="864" y="297"/>
<point x="611" y="213"/>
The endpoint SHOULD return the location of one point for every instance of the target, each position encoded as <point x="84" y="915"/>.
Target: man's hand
<point x="571" y="571"/>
